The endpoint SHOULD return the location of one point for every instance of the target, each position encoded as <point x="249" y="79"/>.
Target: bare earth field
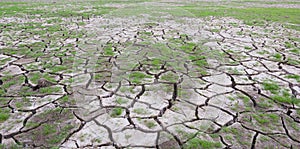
<point x="138" y="74"/>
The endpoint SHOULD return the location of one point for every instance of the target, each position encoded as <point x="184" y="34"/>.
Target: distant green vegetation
<point x="22" y="8"/>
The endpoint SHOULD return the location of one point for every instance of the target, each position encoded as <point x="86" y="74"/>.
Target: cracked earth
<point x="154" y="81"/>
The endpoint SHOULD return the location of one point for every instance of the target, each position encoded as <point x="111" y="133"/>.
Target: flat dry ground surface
<point x="149" y="74"/>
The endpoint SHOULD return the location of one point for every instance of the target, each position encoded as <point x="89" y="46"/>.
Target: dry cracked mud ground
<point x="149" y="74"/>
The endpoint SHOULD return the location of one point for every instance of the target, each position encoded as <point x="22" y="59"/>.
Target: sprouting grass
<point x="266" y="118"/>
<point x="116" y="112"/>
<point x="293" y="76"/>
<point x="58" y="68"/>
<point x="4" y="115"/>
<point x="295" y="50"/>
<point x="170" y="77"/>
<point x="288" y="45"/>
<point x="137" y="77"/>
<point x="49" y="129"/>
<point x="188" y="47"/>
<point x="196" y="143"/>
<point x="271" y="86"/>
<point x="149" y="124"/>
<point x="286" y="99"/>
<point x="49" y="90"/>
<point x="121" y="101"/>
<point x="277" y="57"/>
<point x="279" y="94"/>
<point x="293" y="61"/>
<point x="140" y="111"/>
<point x="201" y="63"/>
<point x="108" y="51"/>
<point x="156" y="62"/>
<point x="61" y="135"/>
<point x="36" y="76"/>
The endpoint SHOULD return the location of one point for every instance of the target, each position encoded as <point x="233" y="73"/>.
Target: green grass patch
<point x="170" y="77"/>
<point x="58" y="68"/>
<point x="286" y="99"/>
<point x="277" y="57"/>
<point x="293" y="61"/>
<point x="196" y="143"/>
<point x="49" y="90"/>
<point x="4" y="115"/>
<point x="271" y="86"/>
<point x="137" y="77"/>
<point x="108" y="51"/>
<point x="116" y="112"/>
<point x="140" y="111"/>
<point x="149" y="124"/>
<point x="61" y="135"/>
<point x="49" y="129"/>
<point x="295" y="50"/>
<point x="266" y="118"/>
<point x="188" y="47"/>
<point x="293" y="76"/>
<point x="121" y="101"/>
